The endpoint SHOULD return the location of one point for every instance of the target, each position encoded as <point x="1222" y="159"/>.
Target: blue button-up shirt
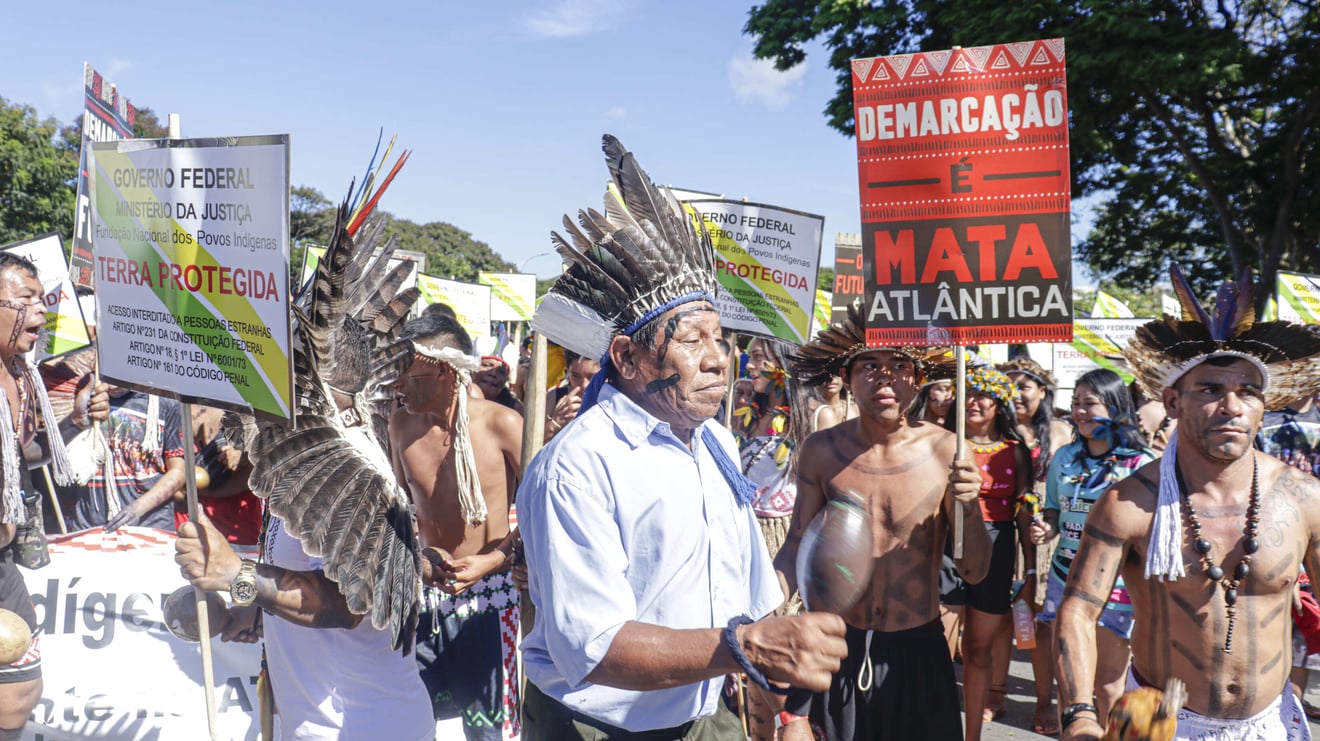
<point x="621" y="522"/>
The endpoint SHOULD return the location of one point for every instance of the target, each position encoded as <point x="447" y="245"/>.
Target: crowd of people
<point x="1157" y="529"/>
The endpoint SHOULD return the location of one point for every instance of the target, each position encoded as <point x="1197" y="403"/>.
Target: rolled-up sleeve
<point x="577" y="574"/>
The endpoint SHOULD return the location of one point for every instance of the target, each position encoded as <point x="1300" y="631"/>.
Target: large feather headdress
<point x="330" y="479"/>
<point x="836" y="345"/>
<point x="1286" y="354"/>
<point x="640" y="258"/>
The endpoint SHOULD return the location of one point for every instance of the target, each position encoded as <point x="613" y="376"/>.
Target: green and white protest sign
<point x="470" y="302"/>
<point x="820" y="317"/>
<point x="1299" y="297"/>
<point x="66" y="328"/>
<point x="1097" y="343"/>
<point x="512" y="295"/>
<point x="766" y="260"/>
<point x="314" y="253"/>
<point x="192" y="261"/>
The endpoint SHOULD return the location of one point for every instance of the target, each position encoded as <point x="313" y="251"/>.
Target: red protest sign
<point x="963" y="164"/>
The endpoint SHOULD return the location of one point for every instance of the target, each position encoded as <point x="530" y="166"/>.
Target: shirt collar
<point x="635" y="424"/>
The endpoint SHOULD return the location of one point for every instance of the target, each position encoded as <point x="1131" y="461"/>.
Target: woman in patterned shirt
<point x="1108" y="447"/>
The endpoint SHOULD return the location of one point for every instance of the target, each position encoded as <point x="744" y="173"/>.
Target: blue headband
<point x="744" y="491"/>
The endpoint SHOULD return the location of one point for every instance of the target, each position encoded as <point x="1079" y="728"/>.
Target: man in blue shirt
<point x="649" y="575"/>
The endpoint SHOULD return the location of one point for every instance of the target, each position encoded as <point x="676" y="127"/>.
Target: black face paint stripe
<point x="660" y="384"/>
<point x="671" y="326"/>
<point x="19" y="320"/>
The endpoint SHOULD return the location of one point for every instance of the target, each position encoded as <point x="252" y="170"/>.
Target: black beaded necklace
<point x="1215" y="572"/>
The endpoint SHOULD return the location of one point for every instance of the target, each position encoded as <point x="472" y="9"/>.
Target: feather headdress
<point x="1287" y="355"/>
<point x="625" y="268"/>
<point x="330" y="479"/>
<point x="640" y="258"/>
<point x="1030" y="368"/>
<point x="836" y="345"/>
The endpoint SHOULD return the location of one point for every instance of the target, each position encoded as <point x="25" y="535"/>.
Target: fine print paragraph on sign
<point x="181" y="345"/>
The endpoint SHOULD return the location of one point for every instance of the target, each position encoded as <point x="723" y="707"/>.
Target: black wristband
<point x="1069" y="713"/>
<point x="731" y="642"/>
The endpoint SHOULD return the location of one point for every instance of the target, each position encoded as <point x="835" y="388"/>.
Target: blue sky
<point x="503" y="104"/>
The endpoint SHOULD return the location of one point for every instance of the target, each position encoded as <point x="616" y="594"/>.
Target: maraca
<point x="15" y="636"/>
<point x="180" y="613"/>
<point x="835" y="560"/>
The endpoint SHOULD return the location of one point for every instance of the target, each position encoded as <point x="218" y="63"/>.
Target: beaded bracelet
<point x="731" y="641"/>
<point x="1069" y="713"/>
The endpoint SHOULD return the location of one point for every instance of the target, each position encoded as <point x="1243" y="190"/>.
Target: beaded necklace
<point x="1215" y="572"/>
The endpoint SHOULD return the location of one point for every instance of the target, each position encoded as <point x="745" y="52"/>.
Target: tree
<point x="36" y="178"/>
<point x="311" y="217"/>
<point x="450" y="251"/>
<point x="825" y="279"/>
<point x="1193" y="121"/>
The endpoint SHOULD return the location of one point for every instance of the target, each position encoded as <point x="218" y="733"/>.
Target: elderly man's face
<point x="682" y="380"/>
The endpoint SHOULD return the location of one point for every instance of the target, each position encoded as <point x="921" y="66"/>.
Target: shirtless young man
<point x="901" y="469"/>
<point x="1228" y="639"/>
<point x="464" y="512"/>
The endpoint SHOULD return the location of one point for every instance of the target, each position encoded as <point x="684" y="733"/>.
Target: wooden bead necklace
<point x="1215" y="572"/>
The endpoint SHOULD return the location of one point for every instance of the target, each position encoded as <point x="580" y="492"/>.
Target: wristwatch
<point x="243" y="589"/>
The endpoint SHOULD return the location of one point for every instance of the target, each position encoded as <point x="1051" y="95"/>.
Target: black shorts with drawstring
<point x="900" y="687"/>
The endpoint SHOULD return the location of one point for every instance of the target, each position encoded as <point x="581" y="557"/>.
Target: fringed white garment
<point x="1164" y="559"/>
<point x="471" y="501"/>
<point x="11" y="503"/>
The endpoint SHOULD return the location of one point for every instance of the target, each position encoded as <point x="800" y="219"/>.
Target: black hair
<point x="1005" y="421"/>
<point x="10" y="260"/>
<point x="439" y="309"/>
<point x="919" y="405"/>
<point x="1114" y="394"/>
<point x="439" y="329"/>
<point x="570" y="357"/>
<point x="1040" y="423"/>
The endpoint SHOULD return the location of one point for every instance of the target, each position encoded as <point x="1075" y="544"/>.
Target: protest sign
<point x="1097" y="343"/>
<point x="963" y="166"/>
<point x="1109" y="306"/>
<point x="766" y="261"/>
<point x="66" y="328"/>
<point x="110" y="667"/>
<point x="820" y="312"/>
<point x="470" y="302"/>
<point x="848" y="283"/>
<point x="1298" y="297"/>
<point x="1169" y="305"/>
<point x="512" y="295"/>
<point x="314" y="253"/>
<point x="192" y="269"/>
<point x="107" y="116"/>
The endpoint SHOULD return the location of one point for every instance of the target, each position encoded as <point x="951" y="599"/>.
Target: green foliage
<point x="825" y="279"/>
<point x="1143" y="303"/>
<point x="36" y="177"/>
<point x="311" y="216"/>
<point x="147" y="126"/>
<point x="1194" y="121"/>
<point x="450" y="251"/>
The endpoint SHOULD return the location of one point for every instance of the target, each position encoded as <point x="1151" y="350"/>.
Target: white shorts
<point x="1283" y="719"/>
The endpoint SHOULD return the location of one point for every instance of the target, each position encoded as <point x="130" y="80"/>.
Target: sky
<point x="502" y="104"/>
